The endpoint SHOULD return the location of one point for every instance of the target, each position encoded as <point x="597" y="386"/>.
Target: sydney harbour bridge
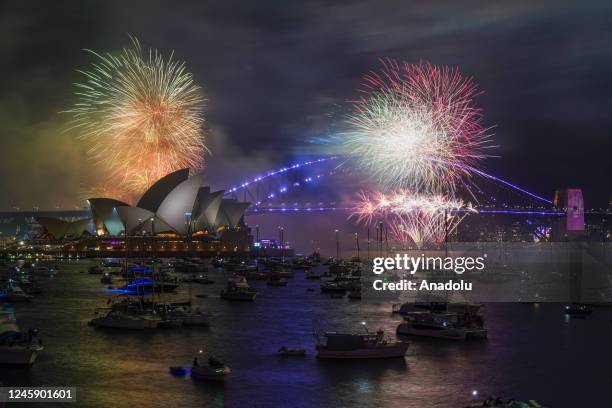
<point x="297" y="189"/>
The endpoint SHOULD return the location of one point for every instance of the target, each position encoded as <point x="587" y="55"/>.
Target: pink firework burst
<point x="417" y="127"/>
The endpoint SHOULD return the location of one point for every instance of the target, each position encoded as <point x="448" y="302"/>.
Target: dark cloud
<point x="275" y="73"/>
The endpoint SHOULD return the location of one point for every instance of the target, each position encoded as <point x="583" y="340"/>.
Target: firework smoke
<point x="142" y="116"/>
<point x="416" y="127"/>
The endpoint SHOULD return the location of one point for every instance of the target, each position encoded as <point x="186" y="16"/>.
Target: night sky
<point x="276" y="74"/>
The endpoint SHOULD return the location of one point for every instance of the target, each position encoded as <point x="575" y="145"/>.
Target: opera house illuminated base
<point x="176" y="214"/>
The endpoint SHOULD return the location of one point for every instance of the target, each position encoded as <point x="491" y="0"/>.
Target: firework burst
<point x="142" y="116"/>
<point x="412" y="218"/>
<point x="416" y="127"/>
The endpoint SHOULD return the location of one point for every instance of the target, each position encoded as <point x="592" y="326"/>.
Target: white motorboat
<point x="238" y="289"/>
<point x="446" y="325"/>
<point x="360" y="346"/>
<point x="17" y="348"/>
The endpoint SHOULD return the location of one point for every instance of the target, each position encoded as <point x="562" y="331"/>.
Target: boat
<point x="578" y="310"/>
<point x="312" y="275"/>
<point x="446" y="325"/>
<point x="146" y="285"/>
<point x="238" y="289"/>
<point x="359" y="346"/>
<point x="217" y="262"/>
<point x="215" y="370"/>
<point x="435" y="304"/>
<point x="202" y="279"/>
<point x="333" y="287"/>
<point x="168" y="322"/>
<point x="511" y="403"/>
<point x="284" y="351"/>
<point x="117" y="319"/>
<point x="17" y="348"/>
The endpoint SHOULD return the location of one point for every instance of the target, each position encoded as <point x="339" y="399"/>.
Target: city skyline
<point x="545" y="98"/>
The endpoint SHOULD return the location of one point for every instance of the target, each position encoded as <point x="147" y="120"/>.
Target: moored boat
<point x="360" y="346"/>
<point x="17" y="348"/>
<point x="117" y="319"/>
<point x="238" y="289"/>
<point x="445" y="325"/>
<point x="215" y="370"/>
<point x="577" y="310"/>
<point x="333" y="287"/>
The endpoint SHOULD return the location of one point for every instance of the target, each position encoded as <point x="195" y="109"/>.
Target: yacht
<point x="365" y="345"/>
<point x="118" y="319"/>
<point x="446" y="325"/>
<point x="333" y="287"/>
<point x="17" y="348"/>
<point x="238" y="289"/>
<point x="146" y="285"/>
<point x="189" y="317"/>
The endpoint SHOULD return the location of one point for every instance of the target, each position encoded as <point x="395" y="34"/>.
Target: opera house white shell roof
<point x="176" y="203"/>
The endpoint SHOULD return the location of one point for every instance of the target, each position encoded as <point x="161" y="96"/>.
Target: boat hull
<point x="130" y="324"/>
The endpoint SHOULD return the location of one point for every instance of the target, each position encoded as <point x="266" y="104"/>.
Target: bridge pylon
<point x="571" y="226"/>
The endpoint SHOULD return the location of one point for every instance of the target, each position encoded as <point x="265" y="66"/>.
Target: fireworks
<point x="412" y="218"/>
<point x="142" y="116"/>
<point x="416" y="127"/>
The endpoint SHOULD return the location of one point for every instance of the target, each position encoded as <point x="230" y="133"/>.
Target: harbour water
<point x="533" y="352"/>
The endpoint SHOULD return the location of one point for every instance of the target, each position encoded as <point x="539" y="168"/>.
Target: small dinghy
<point x="215" y="370"/>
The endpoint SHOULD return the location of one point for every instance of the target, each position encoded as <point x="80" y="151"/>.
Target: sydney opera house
<point x="177" y="213"/>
